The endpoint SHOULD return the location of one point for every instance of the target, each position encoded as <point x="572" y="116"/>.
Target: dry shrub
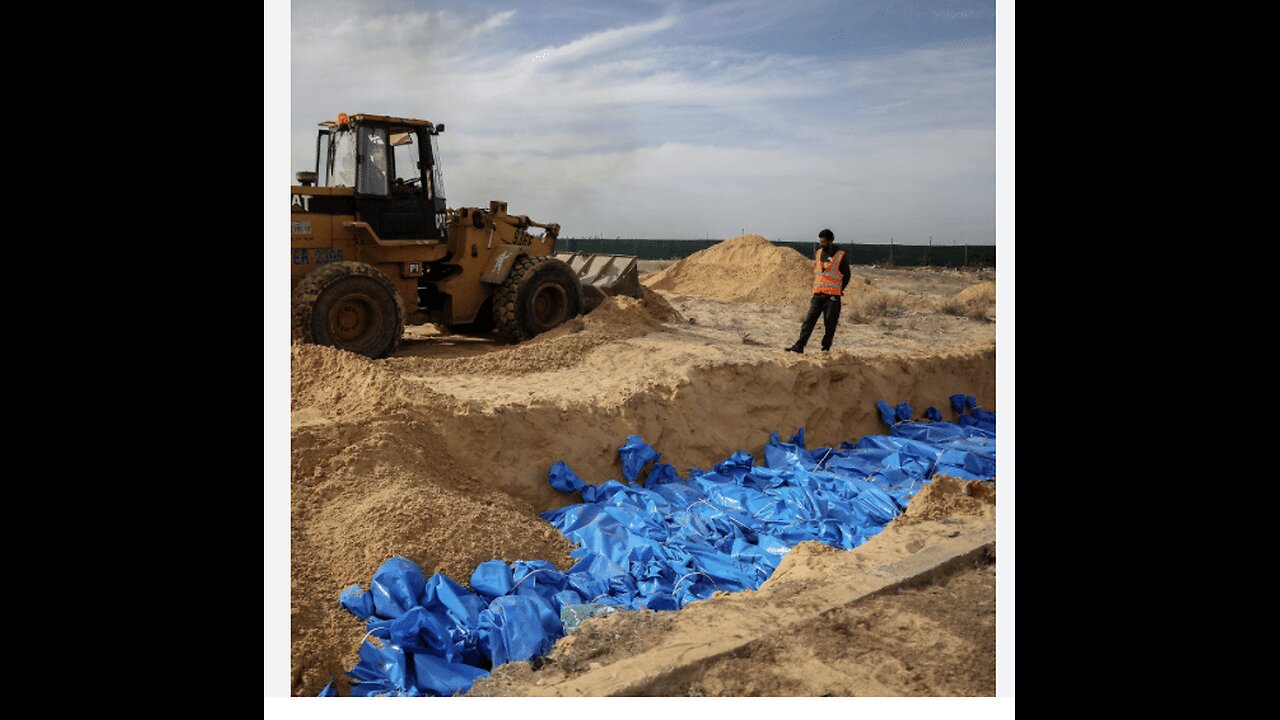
<point x="871" y="304"/>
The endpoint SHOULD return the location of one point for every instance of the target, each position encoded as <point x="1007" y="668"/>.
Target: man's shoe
<point x="795" y="349"/>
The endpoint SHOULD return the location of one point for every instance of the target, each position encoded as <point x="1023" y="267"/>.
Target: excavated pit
<point x="878" y="620"/>
<point x="440" y="453"/>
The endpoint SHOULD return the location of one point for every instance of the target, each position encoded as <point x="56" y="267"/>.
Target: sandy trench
<point x="440" y="452"/>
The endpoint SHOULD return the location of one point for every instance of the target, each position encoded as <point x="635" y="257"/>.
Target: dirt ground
<point x="440" y="452"/>
<point x="935" y="640"/>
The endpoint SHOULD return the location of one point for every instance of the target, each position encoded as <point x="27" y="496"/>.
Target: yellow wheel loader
<point x="376" y="248"/>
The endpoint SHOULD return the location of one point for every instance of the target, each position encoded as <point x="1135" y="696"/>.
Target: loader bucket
<point x="602" y="275"/>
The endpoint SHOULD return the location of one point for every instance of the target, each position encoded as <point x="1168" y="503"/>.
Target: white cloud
<point x="624" y="131"/>
<point x="596" y="43"/>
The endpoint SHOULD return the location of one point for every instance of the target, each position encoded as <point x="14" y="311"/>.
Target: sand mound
<point x="747" y="268"/>
<point x="811" y="548"/>
<point x="623" y="316"/>
<point x="948" y="497"/>
<point x="365" y="385"/>
<point x="976" y="301"/>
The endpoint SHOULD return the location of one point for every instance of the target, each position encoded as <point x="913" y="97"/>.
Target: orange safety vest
<point x="827" y="278"/>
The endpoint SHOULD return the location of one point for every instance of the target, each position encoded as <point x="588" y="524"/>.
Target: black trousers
<point x="828" y="306"/>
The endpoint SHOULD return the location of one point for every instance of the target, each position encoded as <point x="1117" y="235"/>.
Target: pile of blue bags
<point x="656" y="541"/>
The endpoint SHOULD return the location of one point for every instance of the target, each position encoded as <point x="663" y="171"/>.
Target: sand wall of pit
<point x="705" y="416"/>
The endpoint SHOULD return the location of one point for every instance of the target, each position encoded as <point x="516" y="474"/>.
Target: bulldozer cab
<point x="393" y="164"/>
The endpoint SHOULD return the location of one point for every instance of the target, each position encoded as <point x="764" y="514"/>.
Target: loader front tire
<point x="538" y="295"/>
<point x="351" y="306"/>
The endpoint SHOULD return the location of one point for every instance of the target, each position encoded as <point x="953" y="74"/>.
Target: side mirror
<point x="307" y="178"/>
<point x="440" y="128"/>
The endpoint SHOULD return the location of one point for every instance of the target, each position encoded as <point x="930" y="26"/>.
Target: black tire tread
<point x="504" y="300"/>
<point x="308" y="291"/>
<point x="506" y="315"/>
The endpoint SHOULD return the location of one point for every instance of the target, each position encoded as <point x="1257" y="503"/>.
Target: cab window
<point x="373" y="161"/>
<point x="405" y="154"/>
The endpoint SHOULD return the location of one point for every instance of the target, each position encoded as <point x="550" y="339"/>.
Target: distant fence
<point x="937" y="255"/>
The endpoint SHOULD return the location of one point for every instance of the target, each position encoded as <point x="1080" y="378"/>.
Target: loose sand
<point x="440" y="453"/>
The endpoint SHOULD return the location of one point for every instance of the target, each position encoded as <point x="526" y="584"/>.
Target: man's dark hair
<point x="827" y="234"/>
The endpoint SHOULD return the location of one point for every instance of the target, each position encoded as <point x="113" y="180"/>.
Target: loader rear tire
<point x="351" y="306"/>
<point x="538" y="295"/>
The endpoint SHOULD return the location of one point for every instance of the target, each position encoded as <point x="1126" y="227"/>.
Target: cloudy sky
<point x="669" y="119"/>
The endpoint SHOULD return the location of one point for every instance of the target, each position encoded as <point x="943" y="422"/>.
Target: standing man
<point x="830" y="277"/>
